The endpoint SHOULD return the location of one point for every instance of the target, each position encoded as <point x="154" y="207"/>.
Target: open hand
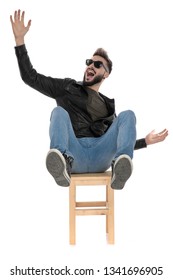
<point x="153" y="137"/>
<point x="18" y="26"/>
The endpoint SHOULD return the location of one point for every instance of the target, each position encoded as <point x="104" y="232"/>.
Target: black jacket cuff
<point x="140" y="144"/>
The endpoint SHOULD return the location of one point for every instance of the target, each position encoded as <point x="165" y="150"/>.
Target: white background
<point x="34" y="210"/>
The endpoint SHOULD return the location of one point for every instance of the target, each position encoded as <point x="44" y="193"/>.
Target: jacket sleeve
<point x="47" y="85"/>
<point x="140" y="144"/>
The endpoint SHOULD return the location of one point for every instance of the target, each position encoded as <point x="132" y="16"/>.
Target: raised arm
<point x="19" y="28"/>
<point x="47" y="85"/>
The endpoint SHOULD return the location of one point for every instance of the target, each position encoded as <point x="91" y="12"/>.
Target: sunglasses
<point x="97" y="64"/>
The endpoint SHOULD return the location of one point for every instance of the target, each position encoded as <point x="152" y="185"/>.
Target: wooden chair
<point x="105" y="207"/>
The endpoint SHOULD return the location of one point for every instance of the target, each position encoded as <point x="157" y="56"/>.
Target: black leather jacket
<point x="70" y="95"/>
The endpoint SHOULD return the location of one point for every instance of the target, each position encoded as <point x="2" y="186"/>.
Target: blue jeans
<point x="93" y="154"/>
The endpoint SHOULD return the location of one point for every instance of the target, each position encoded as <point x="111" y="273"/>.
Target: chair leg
<point x="72" y="218"/>
<point x="107" y="206"/>
<point x="110" y="216"/>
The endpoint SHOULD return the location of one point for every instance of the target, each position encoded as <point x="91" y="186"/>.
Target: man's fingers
<point x="23" y="15"/>
<point x="163" y="132"/>
<point x="18" y="15"/>
<point x="15" y="15"/>
<point x="11" y="19"/>
<point x="29" y="24"/>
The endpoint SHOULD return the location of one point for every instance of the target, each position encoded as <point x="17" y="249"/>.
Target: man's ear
<point x="106" y="75"/>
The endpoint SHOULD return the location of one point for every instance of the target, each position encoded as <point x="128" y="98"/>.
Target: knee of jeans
<point x="129" y="114"/>
<point x="58" y="112"/>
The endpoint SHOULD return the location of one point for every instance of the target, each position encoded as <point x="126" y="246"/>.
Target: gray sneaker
<point x="121" y="171"/>
<point x="59" y="166"/>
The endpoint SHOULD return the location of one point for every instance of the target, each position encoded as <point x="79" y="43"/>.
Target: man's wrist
<point x="19" y="41"/>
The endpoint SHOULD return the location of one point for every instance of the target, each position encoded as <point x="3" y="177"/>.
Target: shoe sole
<point x="56" y="165"/>
<point x="122" y="170"/>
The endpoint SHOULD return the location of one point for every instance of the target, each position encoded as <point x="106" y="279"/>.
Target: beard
<point x="96" y="80"/>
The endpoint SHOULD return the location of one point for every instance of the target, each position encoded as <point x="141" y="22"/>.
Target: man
<point x="86" y="135"/>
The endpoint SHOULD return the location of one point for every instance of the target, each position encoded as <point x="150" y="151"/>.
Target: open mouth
<point x="89" y="74"/>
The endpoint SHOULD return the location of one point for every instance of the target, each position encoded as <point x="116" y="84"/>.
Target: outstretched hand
<point x="18" y="26"/>
<point x="153" y="137"/>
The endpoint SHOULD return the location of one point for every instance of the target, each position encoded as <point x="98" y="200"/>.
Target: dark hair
<point x="101" y="52"/>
